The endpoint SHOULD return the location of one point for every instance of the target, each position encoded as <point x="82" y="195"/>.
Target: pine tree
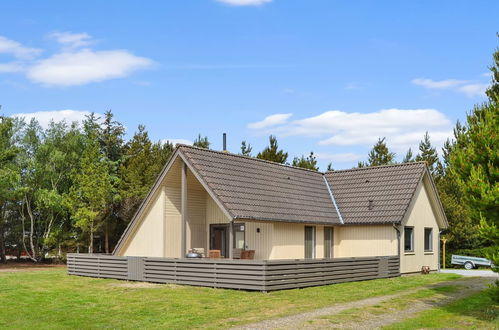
<point x="9" y="175"/>
<point x="246" y="149"/>
<point x="380" y="155"/>
<point x="428" y="154"/>
<point x="409" y="157"/>
<point x="201" y="142"/>
<point x="134" y="172"/>
<point x="111" y="140"/>
<point x="272" y="152"/>
<point x="330" y="167"/>
<point x="92" y="189"/>
<point x="309" y="163"/>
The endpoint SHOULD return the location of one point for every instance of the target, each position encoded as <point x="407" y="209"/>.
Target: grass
<point x="52" y="299"/>
<point x="474" y="312"/>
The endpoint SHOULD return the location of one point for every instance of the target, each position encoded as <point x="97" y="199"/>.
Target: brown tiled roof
<point x="389" y="188"/>
<point x="250" y="188"/>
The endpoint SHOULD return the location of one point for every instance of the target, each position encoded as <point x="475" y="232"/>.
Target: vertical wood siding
<point x="196" y="216"/>
<point x="261" y="241"/>
<point x="173" y="219"/>
<point x="365" y="241"/>
<point x="148" y="238"/>
<point x="288" y="241"/>
<point x="421" y="215"/>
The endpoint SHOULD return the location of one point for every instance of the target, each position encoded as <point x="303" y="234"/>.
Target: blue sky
<point x="328" y="76"/>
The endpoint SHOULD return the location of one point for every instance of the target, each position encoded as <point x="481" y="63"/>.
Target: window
<point x="239" y="238"/>
<point x="328" y="242"/>
<point x="408" y="239"/>
<point x="309" y="242"/>
<point x="428" y="239"/>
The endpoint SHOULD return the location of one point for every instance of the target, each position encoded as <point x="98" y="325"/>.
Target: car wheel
<point x="468" y="265"/>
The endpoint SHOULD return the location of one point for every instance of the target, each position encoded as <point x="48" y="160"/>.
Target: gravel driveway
<point x="464" y="272"/>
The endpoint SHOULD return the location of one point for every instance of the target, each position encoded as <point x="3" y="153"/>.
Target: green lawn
<point x="52" y="299"/>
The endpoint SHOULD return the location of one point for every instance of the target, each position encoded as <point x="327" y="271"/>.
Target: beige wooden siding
<point x="288" y="241"/>
<point x="173" y="216"/>
<point x="196" y="215"/>
<point x="420" y="215"/>
<point x="365" y="241"/>
<point x="148" y="238"/>
<point x="258" y="237"/>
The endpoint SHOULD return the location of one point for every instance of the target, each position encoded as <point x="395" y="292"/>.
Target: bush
<point x="479" y="252"/>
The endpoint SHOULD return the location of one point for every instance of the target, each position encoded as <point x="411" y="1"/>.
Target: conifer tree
<point x="309" y="163"/>
<point x="246" y="149"/>
<point x="428" y="154"/>
<point x="272" y="152"/>
<point x="9" y="175"/>
<point x="409" y="157"/>
<point x="380" y="155"/>
<point x="330" y="167"/>
<point x="201" y="142"/>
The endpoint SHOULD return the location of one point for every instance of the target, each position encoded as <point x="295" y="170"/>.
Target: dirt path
<point x="26" y="267"/>
<point x="318" y="318"/>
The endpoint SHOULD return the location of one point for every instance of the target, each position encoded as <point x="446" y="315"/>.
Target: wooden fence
<point x="259" y="275"/>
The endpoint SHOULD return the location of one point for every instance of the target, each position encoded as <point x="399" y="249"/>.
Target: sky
<point x="322" y="75"/>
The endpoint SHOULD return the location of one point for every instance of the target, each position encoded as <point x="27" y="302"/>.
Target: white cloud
<point x="11" y="67"/>
<point x="273" y="120"/>
<point x="175" y="141"/>
<point x="245" y="2"/>
<point x="71" y="40"/>
<point x="466" y="87"/>
<point x="403" y="128"/>
<point x="72" y="65"/>
<point x="45" y="117"/>
<point x="442" y="84"/>
<point x="17" y="50"/>
<point x="85" y="66"/>
<point x="474" y="89"/>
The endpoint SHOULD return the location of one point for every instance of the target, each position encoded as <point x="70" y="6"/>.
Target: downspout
<point x="398" y="242"/>
<point x="439" y="252"/>
<point x="398" y="239"/>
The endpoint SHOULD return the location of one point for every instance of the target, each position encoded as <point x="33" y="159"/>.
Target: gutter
<point x="334" y="201"/>
<point x="439" y="252"/>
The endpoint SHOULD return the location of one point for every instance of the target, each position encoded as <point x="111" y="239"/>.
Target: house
<point x="210" y="200"/>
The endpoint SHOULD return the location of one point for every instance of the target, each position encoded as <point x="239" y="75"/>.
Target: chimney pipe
<point x="225" y="142"/>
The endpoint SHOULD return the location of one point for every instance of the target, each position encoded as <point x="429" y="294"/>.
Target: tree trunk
<point x="31" y="231"/>
<point x="106" y="238"/>
<point x="23" y="219"/>
<point x="91" y="243"/>
<point x="3" y="257"/>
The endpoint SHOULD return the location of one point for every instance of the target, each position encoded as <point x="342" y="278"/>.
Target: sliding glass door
<point x="328" y="242"/>
<point x="309" y="242"/>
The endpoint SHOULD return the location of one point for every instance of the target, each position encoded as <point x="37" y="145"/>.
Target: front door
<point x="219" y="239"/>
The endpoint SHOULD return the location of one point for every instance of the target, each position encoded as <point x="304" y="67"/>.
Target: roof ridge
<point x="376" y="166"/>
<point x="180" y="145"/>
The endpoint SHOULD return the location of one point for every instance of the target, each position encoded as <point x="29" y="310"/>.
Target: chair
<point x="215" y="254"/>
<point x="248" y="254"/>
<point x="236" y="253"/>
